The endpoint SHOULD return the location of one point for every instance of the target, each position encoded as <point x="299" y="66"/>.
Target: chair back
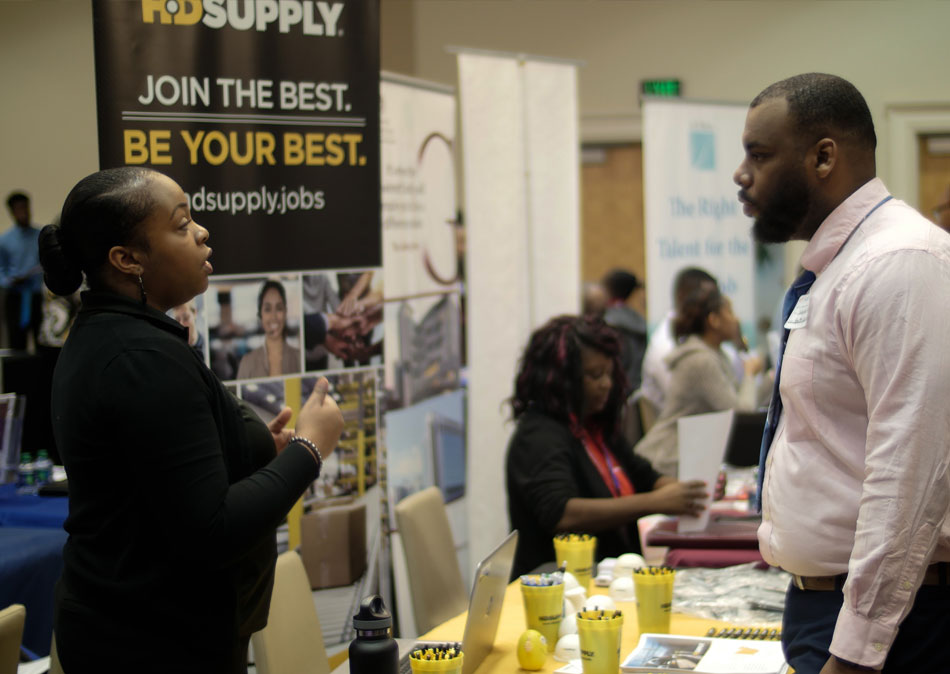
<point x="292" y="642"/>
<point x="12" y="619"/>
<point x="435" y="582"/>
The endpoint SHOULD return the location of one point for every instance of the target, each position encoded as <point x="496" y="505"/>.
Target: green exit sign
<point x="660" y="87"/>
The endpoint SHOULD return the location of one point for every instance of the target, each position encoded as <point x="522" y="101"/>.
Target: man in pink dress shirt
<point x="856" y="488"/>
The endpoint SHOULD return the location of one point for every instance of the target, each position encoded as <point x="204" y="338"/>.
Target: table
<point x="503" y="657"/>
<point x="731" y="538"/>
<point x="30" y="510"/>
<point x="31" y="561"/>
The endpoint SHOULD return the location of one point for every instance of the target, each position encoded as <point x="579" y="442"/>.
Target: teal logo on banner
<point x="702" y="150"/>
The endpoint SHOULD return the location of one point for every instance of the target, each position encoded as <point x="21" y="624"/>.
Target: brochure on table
<point x="661" y="653"/>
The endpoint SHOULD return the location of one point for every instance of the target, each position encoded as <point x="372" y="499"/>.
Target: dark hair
<point x="550" y="376"/>
<point x="268" y="285"/>
<point x="823" y="105"/>
<point x="691" y="315"/>
<point x="103" y="210"/>
<point x="16" y="197"/>
<point x="687" y="281"/>
<point x="620" y="283"/>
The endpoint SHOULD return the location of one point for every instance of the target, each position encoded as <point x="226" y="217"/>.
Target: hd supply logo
<point x="313" y="18"/>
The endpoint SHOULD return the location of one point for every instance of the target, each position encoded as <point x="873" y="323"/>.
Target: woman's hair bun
<point x="61" y="272"/>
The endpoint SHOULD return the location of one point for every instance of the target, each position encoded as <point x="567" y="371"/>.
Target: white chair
<point x="435" y="582"/>
<point x="292" y="642"/>
<point x="12" y="619"/>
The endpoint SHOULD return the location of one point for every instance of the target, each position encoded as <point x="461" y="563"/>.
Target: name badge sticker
<point x="799" y="316"/>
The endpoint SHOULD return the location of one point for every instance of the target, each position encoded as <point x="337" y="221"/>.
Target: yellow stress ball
<point x="532" y="650"/>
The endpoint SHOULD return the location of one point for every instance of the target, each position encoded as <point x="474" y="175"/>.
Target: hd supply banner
<point x="265" y="112"/>
<point x="693" y="219"/>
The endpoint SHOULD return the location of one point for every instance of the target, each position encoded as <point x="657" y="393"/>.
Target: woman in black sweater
<point x="175" y="487"/>
<point x="568" y="467"/>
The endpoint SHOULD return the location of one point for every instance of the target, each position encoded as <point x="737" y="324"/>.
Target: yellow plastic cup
<point x="654" y="590"/>
<point x="577" y="552"/>
<point x="450" y="666"/>
<point x="543" y="607"/>
<point x="599" y="636"/>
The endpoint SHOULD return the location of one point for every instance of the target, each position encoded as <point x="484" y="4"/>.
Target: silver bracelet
<point x="313" y="450"/>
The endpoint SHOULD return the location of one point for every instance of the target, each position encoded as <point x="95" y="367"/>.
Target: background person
<point x="856" y="493"/>
<point x="656" y="373"/>
<point x="275" y="356"/>
<point x="568" y="469"/>
<point x="187" y="315"/>
<point x="20" y="275"/>
<point x="701" y="375"/>
<point x="175" y="487"/>
<point x="621" y="287"/>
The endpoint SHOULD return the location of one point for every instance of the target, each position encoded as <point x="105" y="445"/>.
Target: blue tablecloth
<point x="31" y="561"/>
<point x="29" y="510"/>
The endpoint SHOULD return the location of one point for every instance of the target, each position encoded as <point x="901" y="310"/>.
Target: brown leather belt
<point x="936" y="574"/>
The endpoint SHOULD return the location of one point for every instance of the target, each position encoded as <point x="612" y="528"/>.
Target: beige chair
<point x="12" y="619"/>
<point x="435" y="582"/>
<point x="292" y="642"/>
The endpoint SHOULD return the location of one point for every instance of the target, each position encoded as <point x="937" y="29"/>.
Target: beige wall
<point x="895" y="52"/>
<point x="48" y="111"/>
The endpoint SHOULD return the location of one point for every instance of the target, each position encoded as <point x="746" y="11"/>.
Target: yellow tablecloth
<point x="503" y="657"/>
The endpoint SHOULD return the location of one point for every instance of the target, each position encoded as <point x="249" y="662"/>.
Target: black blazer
<point x="546" y="466"/>
<point x="174" y="497"/>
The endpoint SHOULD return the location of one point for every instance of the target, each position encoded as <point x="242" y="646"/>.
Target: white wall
<point x="895" y="52"/>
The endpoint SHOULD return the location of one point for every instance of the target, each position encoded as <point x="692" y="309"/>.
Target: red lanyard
<point x="600" y="455"/>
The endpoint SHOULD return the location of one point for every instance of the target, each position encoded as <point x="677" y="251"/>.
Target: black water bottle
<point x="373" y="651"/>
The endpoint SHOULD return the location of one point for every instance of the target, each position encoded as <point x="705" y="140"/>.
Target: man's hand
<point x="835" y="666"/>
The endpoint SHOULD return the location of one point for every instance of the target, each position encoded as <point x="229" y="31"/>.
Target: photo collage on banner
<point x="423" y="249"/>
<point x="267" y="115"/>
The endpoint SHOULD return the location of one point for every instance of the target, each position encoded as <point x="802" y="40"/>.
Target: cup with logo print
<point x="543" y="596"/>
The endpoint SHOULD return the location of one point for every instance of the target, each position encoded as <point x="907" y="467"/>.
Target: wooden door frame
<point x="904" y="125"/>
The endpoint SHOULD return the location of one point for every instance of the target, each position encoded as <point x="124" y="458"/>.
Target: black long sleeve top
<point x="545" y="467"/>
<point x="175" y="492"/>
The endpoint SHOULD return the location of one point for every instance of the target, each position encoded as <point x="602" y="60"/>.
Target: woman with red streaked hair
<point x="568" y="467"/>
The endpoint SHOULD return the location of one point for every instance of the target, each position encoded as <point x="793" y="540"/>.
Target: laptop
<point x="484" y="609"/>
<point x="745" y="439"/>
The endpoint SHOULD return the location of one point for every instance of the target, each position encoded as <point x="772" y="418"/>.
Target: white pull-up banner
<point x="522" y="220"/>
<point x="693" y="218"/>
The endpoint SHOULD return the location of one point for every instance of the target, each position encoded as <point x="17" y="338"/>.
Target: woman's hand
<point x="680" y="498"/>
<point x="320" y="420"/>
<point x="278" y="428"/>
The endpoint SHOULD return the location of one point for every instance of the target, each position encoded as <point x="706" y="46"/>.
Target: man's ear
<point x="826" y="156"/>
<point x="126" y="259"/>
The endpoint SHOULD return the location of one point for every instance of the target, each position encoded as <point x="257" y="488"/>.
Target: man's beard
<point x="781" y="218"/>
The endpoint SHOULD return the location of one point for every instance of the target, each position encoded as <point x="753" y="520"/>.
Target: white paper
<point x="40" y="666"/>
<point x="702" y="445"/>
